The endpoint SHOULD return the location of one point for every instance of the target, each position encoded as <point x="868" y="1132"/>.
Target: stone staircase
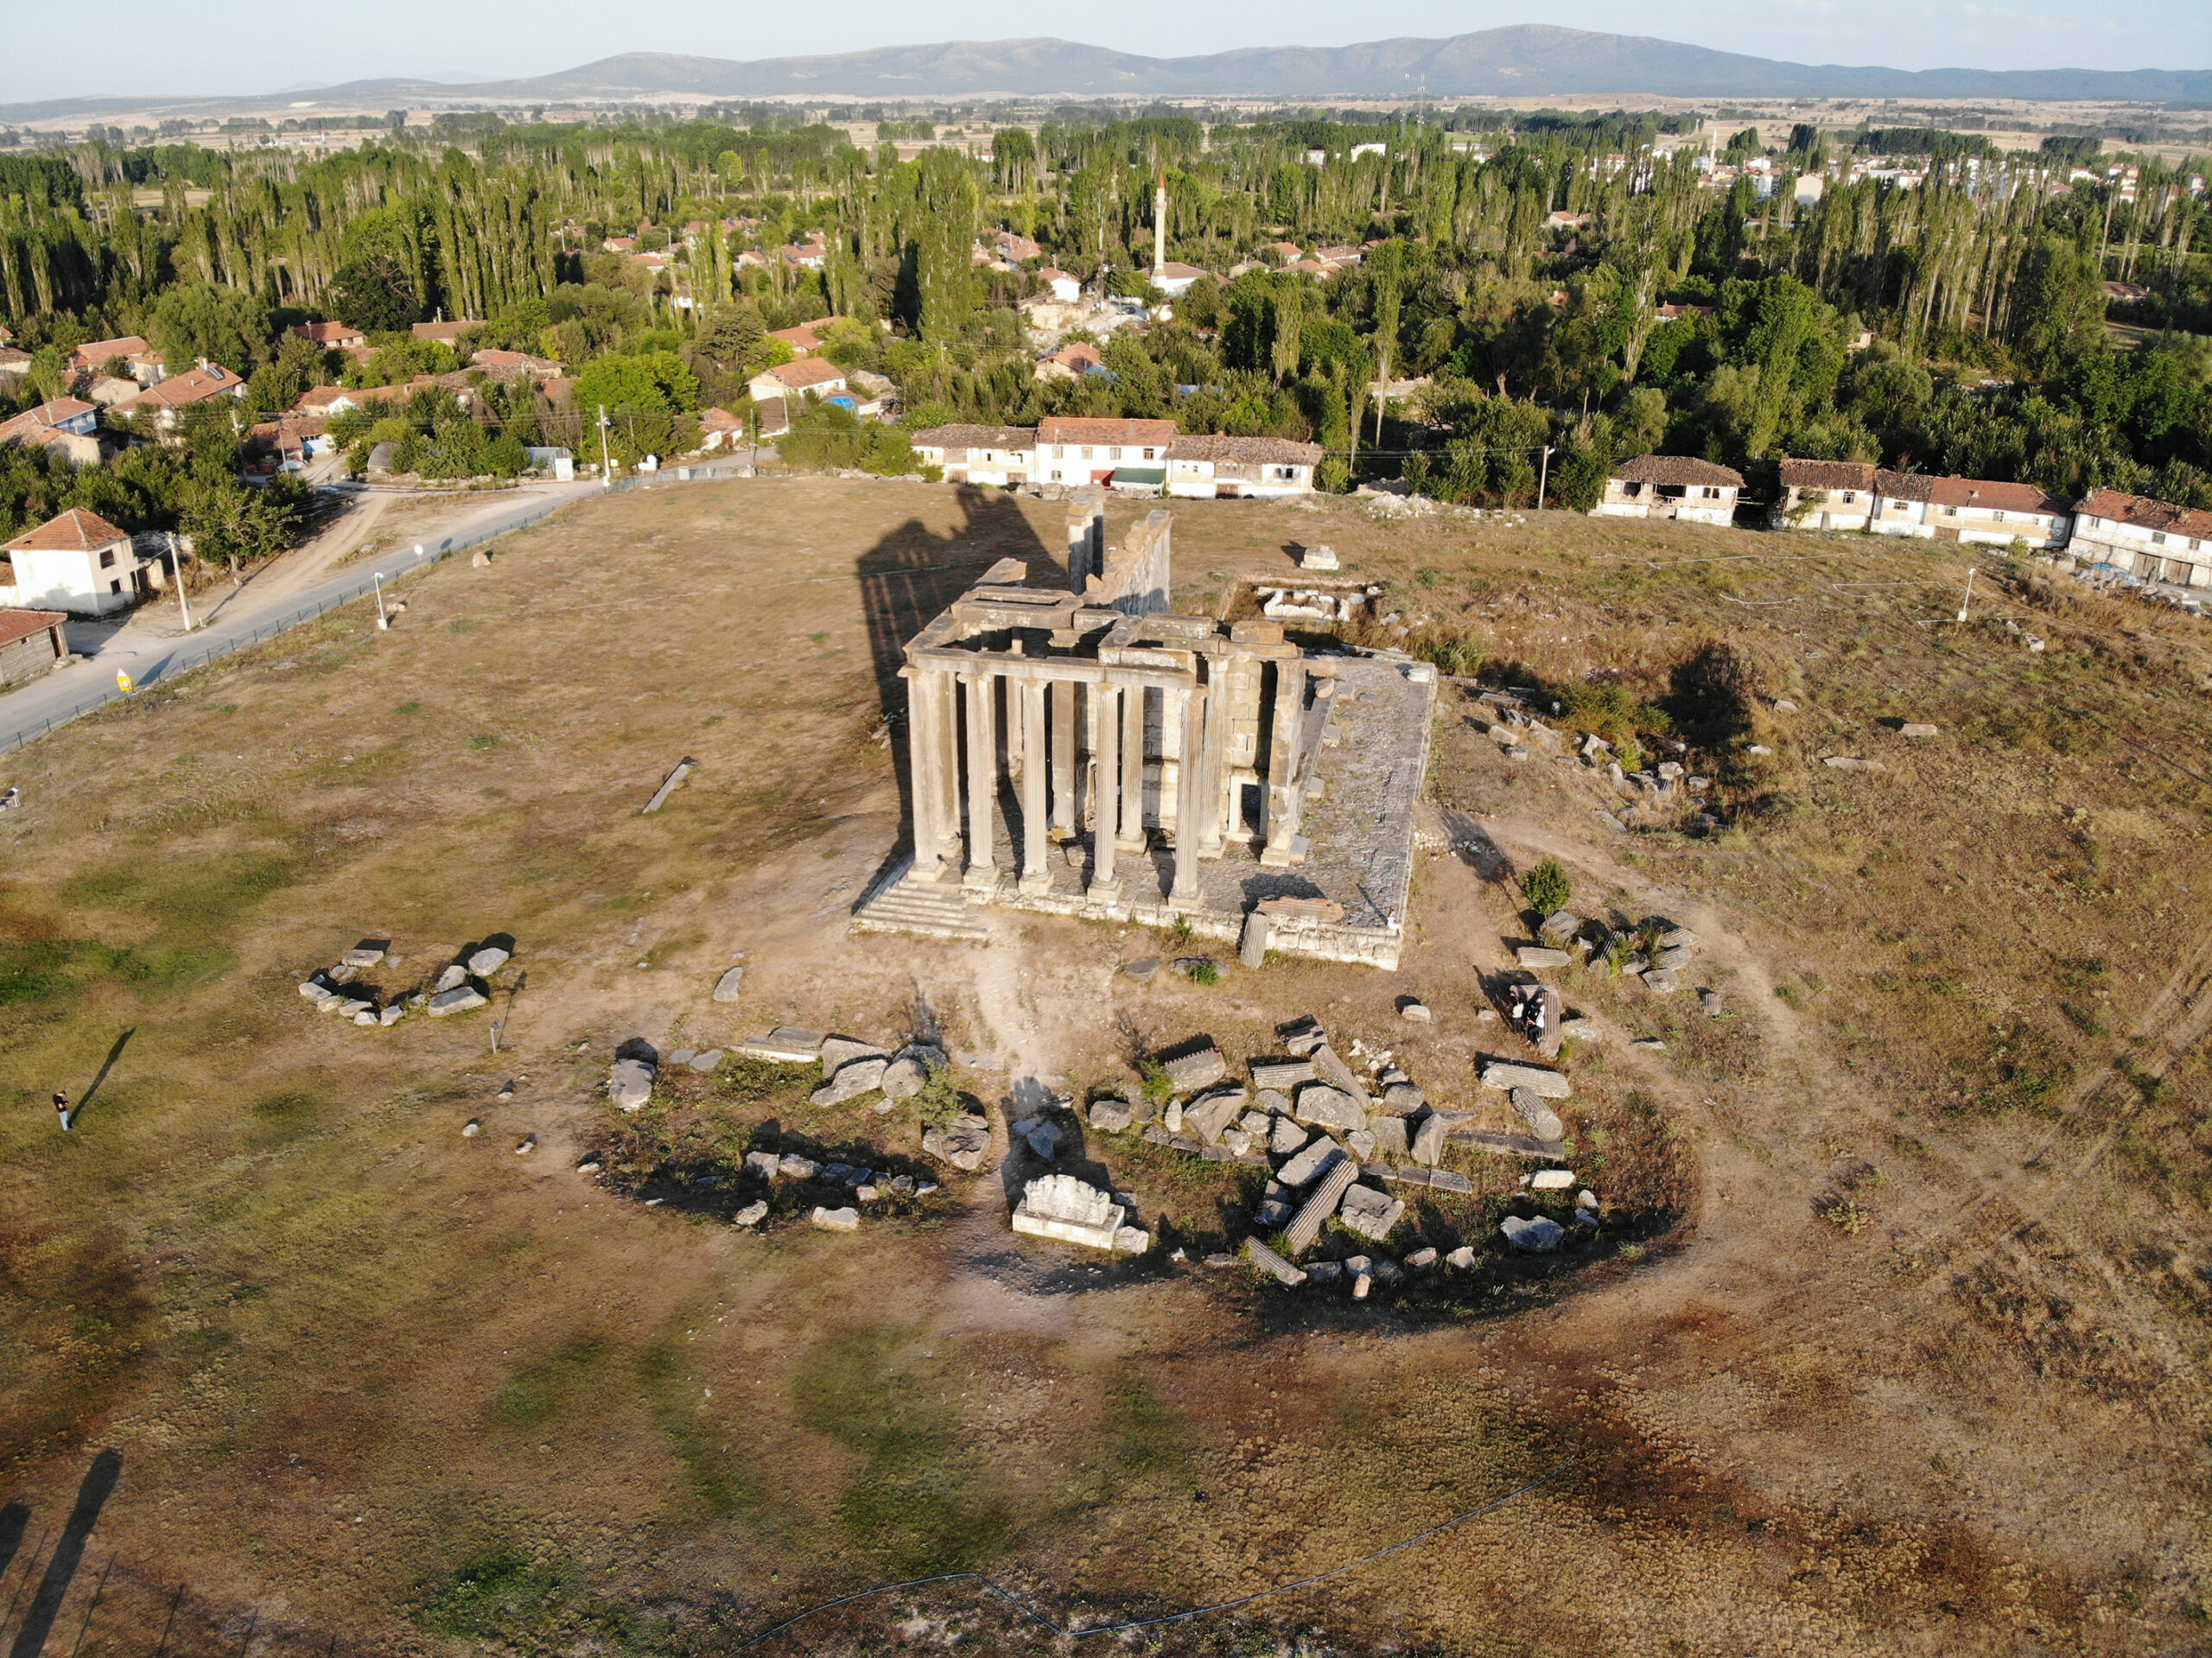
<point x="934" y="909"/>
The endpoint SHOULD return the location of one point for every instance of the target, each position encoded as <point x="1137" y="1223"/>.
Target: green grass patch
<point x="913" y="1505"/>
<point x="533" y="1606"/>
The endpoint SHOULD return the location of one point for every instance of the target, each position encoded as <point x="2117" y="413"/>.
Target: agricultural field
<point x="1893" y="1338"/>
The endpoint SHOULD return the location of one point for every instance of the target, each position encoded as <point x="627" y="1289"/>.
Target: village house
<point x="1284" y="253"/>
<point x="795" y="377"/>
<point x="331" y="336"/>
<point x="68" y="426"/>
<point x="1671" y="486"/>
<point x="1015" y="247"/>
<point x="445" y="334"/>
<point x="1174" y="279"/>
<point x="14" y="365"/>
<point x="2156" y="540"/>
<point x="163" y="401"/>
<point x="1969" y="509"/>
<point x="980" y="454"/>
<point x="1061" y="286"/>
<point x="31" y="641"/>
<point x="106" y="390"/>
<point x="718" y="429"/>
<point x="806" y="339"/>
<point x="1825" y="495"/>
<point x="1074" y="451"/>
<point x="77" y="563"/>
<point x="1072" y="362"/>
<point x="1204" y="465"/>
<point x="510" y="365"/>
<point x="146" y="366"/>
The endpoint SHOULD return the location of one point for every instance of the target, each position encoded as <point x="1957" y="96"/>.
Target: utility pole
<point x="176" y="569"/>
<point x="1543" y="477"/>
<point x="383" y="621"/>
<point x="606" y="466"/>
<point x="1968" y="599"/>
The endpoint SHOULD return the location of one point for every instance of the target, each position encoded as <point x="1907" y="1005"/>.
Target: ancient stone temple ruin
<point x="1080" y="749"/>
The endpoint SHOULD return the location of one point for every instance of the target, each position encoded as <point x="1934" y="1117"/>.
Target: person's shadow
<point x="113" y="1054"/>
<point x="61" y="1567"/>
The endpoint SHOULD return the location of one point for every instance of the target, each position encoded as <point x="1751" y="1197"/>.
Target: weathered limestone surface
<point x="1061" y="1206"/>
<point x="1546" y="1084"/>
<point x="629" y="1084"/>
<point x="964" y="1142"/>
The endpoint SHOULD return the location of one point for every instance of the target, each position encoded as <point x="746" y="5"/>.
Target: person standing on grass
<point x="62" y="1109"/>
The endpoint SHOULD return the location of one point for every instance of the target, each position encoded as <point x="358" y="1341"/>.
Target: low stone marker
<point x="1333" y="1071"/>
<point x="1415" y="1011"/>
<point x="488" y="959"/>
<point x="964" y="1142"/>
<point x="1253" y="950"/>
<point x="1370" y="1213"/>
<point x="1533" y="955"/>
<point x="1325" y="1107"/>
<point x="795" y="1167"/>
<point x="1403" y="1099"/>
<point x="1190" y="1072"/>
<point x="1915" y="729"/>
<point x="1112" y="1116"/>
<point x="1427" y="1146"/>
<point x="1280" y="1074"/>
<point x="458" y="999"/>
<point x="835" y="1220"/>
<point x="1534" y="1236"/>
<point x="1505" y="1075"/>
<point x="731" y="982"/>
<point x="1551" y="1179"/>
<point x="752" y="1214"/>
<point x="1210" y="1114"/>
<point x="787" y="1044"/>
<point x="1462" y="1259"/>
<point x="629" y="1084"/>
<point x="1315" y="1159"/>
<point x="1850" y="763"/>
<point x="368" y="953"/>
<point x="860" y="1077"/>
<point x="1517" y="1145"/>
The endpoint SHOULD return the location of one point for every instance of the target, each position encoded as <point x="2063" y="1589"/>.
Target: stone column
<point x="921" y="785"/>
<point x="1063" y="702"/>
<point x="982" y="778"/>
<point x="1190" y="706"/>
<point x="1132" y="811"/>
<point x="1105" y="789"/>
<point x="1036" y="877"/>
<point x="1213" y="768"/>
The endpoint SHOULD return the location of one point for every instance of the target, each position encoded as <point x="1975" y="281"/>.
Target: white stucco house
<point x="1671" y="486"/>
<point x="2153" y="539"/>
<point x="78" y="562"/>
<point x="1208" y="466"/>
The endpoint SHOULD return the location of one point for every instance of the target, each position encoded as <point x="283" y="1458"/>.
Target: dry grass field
<point x="1895" y="1342"/>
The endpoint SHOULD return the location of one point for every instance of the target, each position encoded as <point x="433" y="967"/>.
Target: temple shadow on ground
<point x="911" y="576"/>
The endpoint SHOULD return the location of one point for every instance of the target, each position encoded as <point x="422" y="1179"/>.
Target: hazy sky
<point x="259" y="46"/>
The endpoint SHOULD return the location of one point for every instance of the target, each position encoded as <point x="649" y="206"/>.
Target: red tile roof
<point x="1059" y="428"/>
<point x="194" y="385"/>
<point x="99" y="353"/>
<point x="2145" y="513"/>
<point x="964" y="438"/>
<point x="44" y="419"/>
<point x="1245" y="451"/>
<point x="328" y="333"/>
<point x="17" y="624"/>
<point x="75" y="531"/>
<point x="1676" y="469"/>
<point x="1827" y="474"/>
<point x="805" y="372"/>
<point x="446" y="332"/>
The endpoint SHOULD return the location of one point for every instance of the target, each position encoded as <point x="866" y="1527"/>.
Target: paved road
<point x="151" y="645"/>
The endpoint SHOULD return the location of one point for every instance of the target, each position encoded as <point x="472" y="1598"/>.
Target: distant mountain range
<point x="1526" y="61"/>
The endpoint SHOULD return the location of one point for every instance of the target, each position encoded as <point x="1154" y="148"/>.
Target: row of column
<point x="1048" y="755"/>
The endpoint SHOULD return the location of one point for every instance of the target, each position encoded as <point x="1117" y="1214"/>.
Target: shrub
<point x="939" y="1100"/>
<point x="1158" y="1087"/>
<point x="1205" y="972"/>
<point x="1547" y="887"/>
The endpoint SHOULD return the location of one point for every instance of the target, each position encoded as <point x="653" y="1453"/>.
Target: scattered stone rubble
<point x="460" y="987"/>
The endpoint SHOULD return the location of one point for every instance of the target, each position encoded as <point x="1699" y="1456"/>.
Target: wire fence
<point x="188" y="656"/>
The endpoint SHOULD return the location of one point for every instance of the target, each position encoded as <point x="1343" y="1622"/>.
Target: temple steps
<point x="932" y="909"/>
